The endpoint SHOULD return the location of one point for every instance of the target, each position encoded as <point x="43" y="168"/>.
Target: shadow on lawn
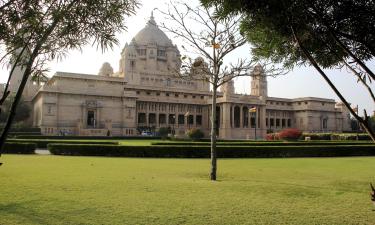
<point x="24" y="211"/>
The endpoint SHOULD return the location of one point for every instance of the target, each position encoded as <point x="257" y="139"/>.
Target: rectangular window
<point x="191" y="120"/>
<point x="90" y="118"/>
<point x="172" y="119"/>
<point x="272" y="122"/>
<point x="277" y="122"/>
<point x="198" y="119"/>
<point x="162" y="119"/>
<point x="141" y="117"/>
<point x="161" y="53"/>
<point x="289" y="122"/>
<point x="181" y="119"/>
<point x="141" y="51"/>
<point x="152" y="118"/>
<point x="283" y="122"/>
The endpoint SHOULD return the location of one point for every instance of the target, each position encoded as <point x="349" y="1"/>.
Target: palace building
<point x="143" y="94"/>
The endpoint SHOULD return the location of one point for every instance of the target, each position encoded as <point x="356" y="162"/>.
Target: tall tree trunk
<point x="25" y="77"/>
<point x="325" y="77"/>
<point x="17" y="98"/>
<point x="213" y="135"/>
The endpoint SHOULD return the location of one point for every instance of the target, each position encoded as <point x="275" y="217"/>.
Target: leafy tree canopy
<point x="267" y="26"/>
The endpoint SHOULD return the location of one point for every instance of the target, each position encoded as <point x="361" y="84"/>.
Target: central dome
<point x="151" y="34"/>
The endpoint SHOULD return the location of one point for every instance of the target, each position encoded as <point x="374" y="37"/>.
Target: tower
<point x="228" y="88"/>
<point x="258" y="82"/>
<point x="149" y="57"/>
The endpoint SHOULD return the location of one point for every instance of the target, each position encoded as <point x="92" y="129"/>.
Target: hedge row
<point x="263" y="143"/>
<point x="88" y="137"/>
<point x="336" y="136"/>
<point x="204" y="151"/>
<point x="19" y="148"/>
<point x="42" y="143"/>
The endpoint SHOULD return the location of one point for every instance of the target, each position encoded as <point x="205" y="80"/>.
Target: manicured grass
<point x="98" y="190"/>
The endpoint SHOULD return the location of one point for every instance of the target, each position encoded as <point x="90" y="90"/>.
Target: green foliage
<point x="174" y="151"/>
<point x="267" y="26"/>
<point x="317" y="136"/>
<point x="42" y="143"/>
<point x="336" y="136"/>
<point x="351" y="136"/>
<point x="163" y="132"/>
<point x="263" y="143"/>
<point x="195" y="134"/>
<point x="88" y="137"/>
<point x="22" y="113"/>
<point x="19" y="148"/>
<point x="372" y="122"/>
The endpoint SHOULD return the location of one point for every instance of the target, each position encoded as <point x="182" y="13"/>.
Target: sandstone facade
<point x="143" y="94"/>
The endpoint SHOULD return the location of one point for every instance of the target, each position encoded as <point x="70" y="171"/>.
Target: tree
<point x="163" y="132"/>
<point x="211" y="40"/>
<point x="37" y="31"/>
<point x="324" y="34"/>
<point x="22" y="114"/>
<point x="195" y="134"/>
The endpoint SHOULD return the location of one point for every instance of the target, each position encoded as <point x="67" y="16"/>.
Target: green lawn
<point x="98" y="190"/>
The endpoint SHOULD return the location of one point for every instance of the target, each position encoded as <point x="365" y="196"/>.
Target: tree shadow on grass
<point x="23" y="211"/>
<point x="26" y="212"/>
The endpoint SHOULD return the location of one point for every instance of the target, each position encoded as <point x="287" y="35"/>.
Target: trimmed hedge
<point x="204" y="151"/>
<point x="42" y="143"/>
<point x="337" y="136"/>
<point x="19" y="148"/>
<point x="263" y="143"/>
<point x="350" y="136"/>
<point x="88" y="137"/>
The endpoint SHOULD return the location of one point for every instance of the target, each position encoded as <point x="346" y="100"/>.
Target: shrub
<point x="163" y="132"/>
<point x="195" y="134"/>
<point x="261" y="143"/>
<point x="204" y="151"/>
<point x="350" y="136"/>
<point x="88" y="137"/>
<point x="19" y="148"/>
<point x="272" y="137"/>
<point x="290" y="134"/>
<point x="42" y="143"/>
<point x="317" y="136"/>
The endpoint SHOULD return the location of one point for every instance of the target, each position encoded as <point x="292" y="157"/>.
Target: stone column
<point x="226" y="130"/>
<point x="262" y="117"/>
<point x="97" y="117"/>
<point x="233" y="125"/>
<point x="147" y="110"/>
<point x="241" y="116"/>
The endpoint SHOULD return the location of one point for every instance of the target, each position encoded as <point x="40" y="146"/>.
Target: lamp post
<point x="174" y="121"/>
<point x="254" y="110"/>
<point x="187" y="119"/>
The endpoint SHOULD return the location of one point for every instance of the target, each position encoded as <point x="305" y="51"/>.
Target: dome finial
<point x="152" y="19"/>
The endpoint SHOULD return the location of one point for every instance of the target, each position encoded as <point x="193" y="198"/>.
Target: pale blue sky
<point x="301" y="82"/>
